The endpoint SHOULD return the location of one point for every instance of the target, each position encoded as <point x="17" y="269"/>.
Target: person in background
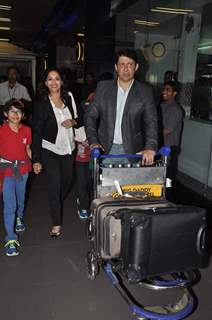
<point x="83" y="177"/>
<point x="83" y="167"/>
<point x="122" y="117"/>
<point x="53" y="147"/>
<point x="90" y="84"/>
<point x="15" y="141"/>
<point x="83" y="172"/>
<point x="12" y="89"/>
<point x="172" y="121"/>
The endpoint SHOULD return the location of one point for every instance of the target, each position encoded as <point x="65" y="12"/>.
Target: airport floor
<point x="48" y="281"/>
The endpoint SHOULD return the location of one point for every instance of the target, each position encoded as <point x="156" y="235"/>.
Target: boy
<point x="15" y="140"/>
<point x="83" y="179"/>
<point x="172" y="120"/>
<point x="83" y="171"/>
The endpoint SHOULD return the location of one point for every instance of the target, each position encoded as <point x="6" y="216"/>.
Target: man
<point x="122" y="117"/>
<point x="11" y="89"/>
<point x="172" y="120"/>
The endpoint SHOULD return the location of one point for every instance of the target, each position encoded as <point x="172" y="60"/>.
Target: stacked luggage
<point x="136" y="233"/>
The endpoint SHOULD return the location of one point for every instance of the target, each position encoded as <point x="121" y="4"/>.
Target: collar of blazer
<point x="112" y="101"/>
<point x="67" y="103"/>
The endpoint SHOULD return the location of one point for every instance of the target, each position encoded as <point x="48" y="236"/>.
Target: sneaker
<point x="20" y="227"/>
<point x="83" y="214"/>
<point x="12" y="248"/>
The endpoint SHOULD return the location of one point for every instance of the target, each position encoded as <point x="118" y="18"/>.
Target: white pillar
<point x="188" y="57"/>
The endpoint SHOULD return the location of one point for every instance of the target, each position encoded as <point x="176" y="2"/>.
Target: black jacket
<point x="139" y="122"/>
<point x="45" y="125"/>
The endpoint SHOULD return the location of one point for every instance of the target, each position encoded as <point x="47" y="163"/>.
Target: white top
<point x="121" y="101"/>
<point x="17" y="92"/>
<point x="65" y="143"/>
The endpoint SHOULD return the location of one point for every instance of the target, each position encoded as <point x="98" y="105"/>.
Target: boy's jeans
<point x="13" y="198"/>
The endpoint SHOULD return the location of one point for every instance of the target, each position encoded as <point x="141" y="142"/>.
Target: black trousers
<point x="59" y="170"/>
<point x="83" y="177"/>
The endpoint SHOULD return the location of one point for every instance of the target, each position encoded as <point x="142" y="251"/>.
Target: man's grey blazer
<point x="139" y="122"/>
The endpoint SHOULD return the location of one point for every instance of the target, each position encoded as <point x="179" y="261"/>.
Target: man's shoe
<point x="83" y="214"/>
<point x="12" y="248"/>
<point x="20" y="227"/>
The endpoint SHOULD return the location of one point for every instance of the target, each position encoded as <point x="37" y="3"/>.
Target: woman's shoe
<point x="55" y="232"/>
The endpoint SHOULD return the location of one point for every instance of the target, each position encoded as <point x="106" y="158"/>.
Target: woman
<point x="53" y="145"/>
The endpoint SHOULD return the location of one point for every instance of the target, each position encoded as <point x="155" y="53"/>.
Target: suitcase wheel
<point x="92" y="266"/>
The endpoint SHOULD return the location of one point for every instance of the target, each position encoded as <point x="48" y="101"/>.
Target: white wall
<point x="158" y="66"/>
<point x="195" y="158"/>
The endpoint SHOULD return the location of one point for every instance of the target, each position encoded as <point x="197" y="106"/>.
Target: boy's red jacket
<point x="13" y="147"/>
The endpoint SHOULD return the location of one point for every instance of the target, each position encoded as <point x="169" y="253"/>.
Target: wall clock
<point x="158" y="49"/>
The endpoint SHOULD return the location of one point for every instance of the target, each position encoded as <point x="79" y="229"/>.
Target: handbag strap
<point x="73" y="107"/>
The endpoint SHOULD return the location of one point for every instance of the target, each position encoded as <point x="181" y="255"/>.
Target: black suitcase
<point x="108" y="228"/>
<point x="161" y="240"/>
<point x="149" y="238"/>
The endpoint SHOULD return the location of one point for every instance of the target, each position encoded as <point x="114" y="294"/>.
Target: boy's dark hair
<point x="130" y="53"/>
<point x="13" y="103"/>
<point x="174" y="85"/>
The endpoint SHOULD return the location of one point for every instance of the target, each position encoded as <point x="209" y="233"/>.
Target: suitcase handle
<point x="96" y="153"/>
<point x="201" y="240"/>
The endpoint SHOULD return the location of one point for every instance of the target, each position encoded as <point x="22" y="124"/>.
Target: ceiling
<point x="170" y="24"/>
<point x="30" y="17"/>
<point x="59" y="19"/>
<point x="27" y="18"/>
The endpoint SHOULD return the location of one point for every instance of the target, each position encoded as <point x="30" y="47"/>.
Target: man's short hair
<point x="174" y="85"/>
<point x="12" y="68"/>
<point x="130" y="53"/>
<point x="13" y="103"/>
<point x="171" y="74"/>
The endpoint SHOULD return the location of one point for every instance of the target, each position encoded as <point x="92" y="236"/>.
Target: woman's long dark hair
<point x="43" y="91"/>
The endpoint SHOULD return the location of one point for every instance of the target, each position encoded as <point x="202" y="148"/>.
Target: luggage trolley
<point x="121" y="187"/>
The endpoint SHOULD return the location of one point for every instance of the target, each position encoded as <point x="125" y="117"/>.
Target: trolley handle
<point x="96" y="153"/>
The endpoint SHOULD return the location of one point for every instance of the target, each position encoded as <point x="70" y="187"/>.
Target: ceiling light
<point x="5" y="28"/>
<point x="203" y="44"/>
<point x="5" y="19"/>
<point x="147" y="23"/>
<point x="204" y="47"/>
<point x="174" y="9"/>
<point x="80" y="34"/>
<point x="6" y="8"/>
<point x="4" y="39"/>
<point x="79" y="51"/>
<point x="169" y="11"/>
